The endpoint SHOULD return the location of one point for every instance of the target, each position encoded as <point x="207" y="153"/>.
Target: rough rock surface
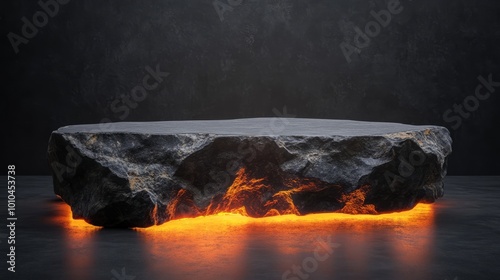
<point x="134" y="174"/>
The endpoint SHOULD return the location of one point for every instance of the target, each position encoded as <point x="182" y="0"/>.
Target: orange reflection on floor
<point x="229" y="246"/>
<point x="222" y="242"/>
<point x="198" y="246"/>
<point x="76" y="230"/>
<point x="78" y="239"/>
<point x="412" y="247"/>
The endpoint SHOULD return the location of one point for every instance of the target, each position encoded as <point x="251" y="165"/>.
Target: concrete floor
<point x="455" y="238"/>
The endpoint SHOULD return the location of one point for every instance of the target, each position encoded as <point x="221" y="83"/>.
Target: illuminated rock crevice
<point x="141" y="174"/>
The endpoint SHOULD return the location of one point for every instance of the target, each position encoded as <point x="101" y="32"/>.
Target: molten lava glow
<point x="273" y="194"/>
<point x="355" y="202"/>
<point x="418" y="216"/>
<point x="245" y="190"/>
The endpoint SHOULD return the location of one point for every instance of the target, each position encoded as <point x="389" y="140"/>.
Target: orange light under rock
<point x="272" y="194"/>
<point x="418" y="216"/>
<point x="421" y="215"/>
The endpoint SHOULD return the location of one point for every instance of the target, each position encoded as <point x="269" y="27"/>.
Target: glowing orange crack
<point x="246" y="194"/>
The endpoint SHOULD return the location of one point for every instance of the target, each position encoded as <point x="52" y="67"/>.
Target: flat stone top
<point x="249" y="127"/>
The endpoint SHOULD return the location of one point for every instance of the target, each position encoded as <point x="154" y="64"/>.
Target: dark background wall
<point x="262" y="55"/>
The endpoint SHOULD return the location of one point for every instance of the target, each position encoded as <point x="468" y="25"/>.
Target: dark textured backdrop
<point x="260" y="56"/>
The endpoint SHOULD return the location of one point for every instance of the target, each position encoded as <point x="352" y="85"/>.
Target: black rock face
<point x="141" y="174"/>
